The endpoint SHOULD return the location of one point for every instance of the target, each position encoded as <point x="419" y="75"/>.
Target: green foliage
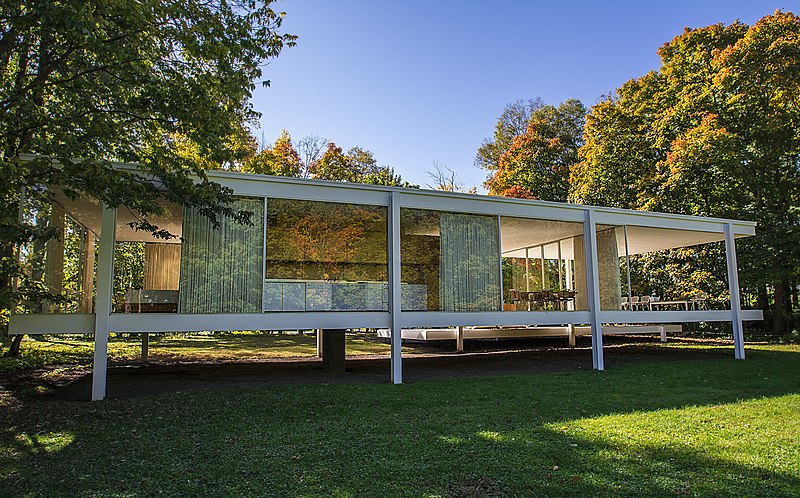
<point x="358" y="165"/>
<point x="713" y="132"/>
<point x="158" y="83"/>
<point x="537" y="163"/>
<point x="512" y="122"/>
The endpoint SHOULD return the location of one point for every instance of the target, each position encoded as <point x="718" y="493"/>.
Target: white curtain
<point x="222" y="269"/>
<point x="469" y="263"/>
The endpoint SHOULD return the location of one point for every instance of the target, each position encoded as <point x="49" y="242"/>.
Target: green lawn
<point x="707" y="427"/>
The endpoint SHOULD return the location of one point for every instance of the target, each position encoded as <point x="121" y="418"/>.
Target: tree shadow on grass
<point x="515" y="435"/>
<point x="490" y="358"/>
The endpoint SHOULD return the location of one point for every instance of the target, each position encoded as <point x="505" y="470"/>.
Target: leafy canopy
<point x="166" y="84"/>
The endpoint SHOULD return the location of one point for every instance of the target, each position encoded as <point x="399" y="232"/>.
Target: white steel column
<point x="500" y="262"/>
<point x="560" y="272"/>
<point x="568" y="271"/>
<point x="542" y="254"/>
<point x="527" y="271"/>
<point x="105" y="284"/>
<point x="395" y="301"/>
<point x="733" y="287"/>
<point x="593" y="289"/>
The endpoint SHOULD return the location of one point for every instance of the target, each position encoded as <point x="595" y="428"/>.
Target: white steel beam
<point x="733" y="287"/>
<point x="593" y="289"/>
<point x="76" y="323"/>
<point x="105" y="287"/>
<point x="179" y="322"/>
<point x="413" y="319"/>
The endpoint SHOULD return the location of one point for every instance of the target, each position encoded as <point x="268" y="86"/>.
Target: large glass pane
<point x="324" y="256"/>
<point x="677" y="269"/>
<point x="449" y="261"/>
<point x="146" y="268"/>
<point x="63" y="265"/>
<point x="201" y="269"/>
<point x="543" y="265"/>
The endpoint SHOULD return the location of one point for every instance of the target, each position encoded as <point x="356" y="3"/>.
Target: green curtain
<point x="469" y="263"/>
<point x="222" y="269"/>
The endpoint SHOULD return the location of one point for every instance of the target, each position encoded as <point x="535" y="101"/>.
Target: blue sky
<point x="417" y="82"/>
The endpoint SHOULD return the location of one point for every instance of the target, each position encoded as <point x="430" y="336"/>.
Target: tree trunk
<point x="13" y="349"/>
<point x="763" y="305"/>
<point x="788" y="314"/>
<point x="778" y="310"/>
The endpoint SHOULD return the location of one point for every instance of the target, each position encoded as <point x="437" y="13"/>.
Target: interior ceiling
<point x="640" y="239"/>
<point x="88" y="213"/>
<point x="518" y="233"/>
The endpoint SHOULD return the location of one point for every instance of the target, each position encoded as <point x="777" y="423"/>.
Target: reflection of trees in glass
<point x="419" y="255"/>
<point x="309" y="240"/>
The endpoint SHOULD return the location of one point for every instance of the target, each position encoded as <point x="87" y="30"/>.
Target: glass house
<point x="331" y="255"/>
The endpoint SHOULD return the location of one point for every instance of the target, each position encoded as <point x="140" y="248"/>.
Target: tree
<point x="715" y="131"/>
<point x="154" y="82"/>
<point x="447" y="180"/>
<point x="513" y="122"/>
<point x="537" y="163"/>
<point x="334" y="165"/>
<point x="358" y="165"/>
<point x="281" y="159"/>
<point x="310" y="149"/>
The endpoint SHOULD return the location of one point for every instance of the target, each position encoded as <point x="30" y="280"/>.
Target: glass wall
<point x="543" y="265"/>
<point x="675" y="270"/>
<point x="324" y="256"/>
<point x="449" y="261"/>
<point x="59" y="265"/>
<point x="147" y="269"/>
<point x="201" y="269"/>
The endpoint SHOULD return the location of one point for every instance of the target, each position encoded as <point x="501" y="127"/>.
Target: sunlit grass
<point x="761" y="435"/>
<point x="706" y="427"/>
